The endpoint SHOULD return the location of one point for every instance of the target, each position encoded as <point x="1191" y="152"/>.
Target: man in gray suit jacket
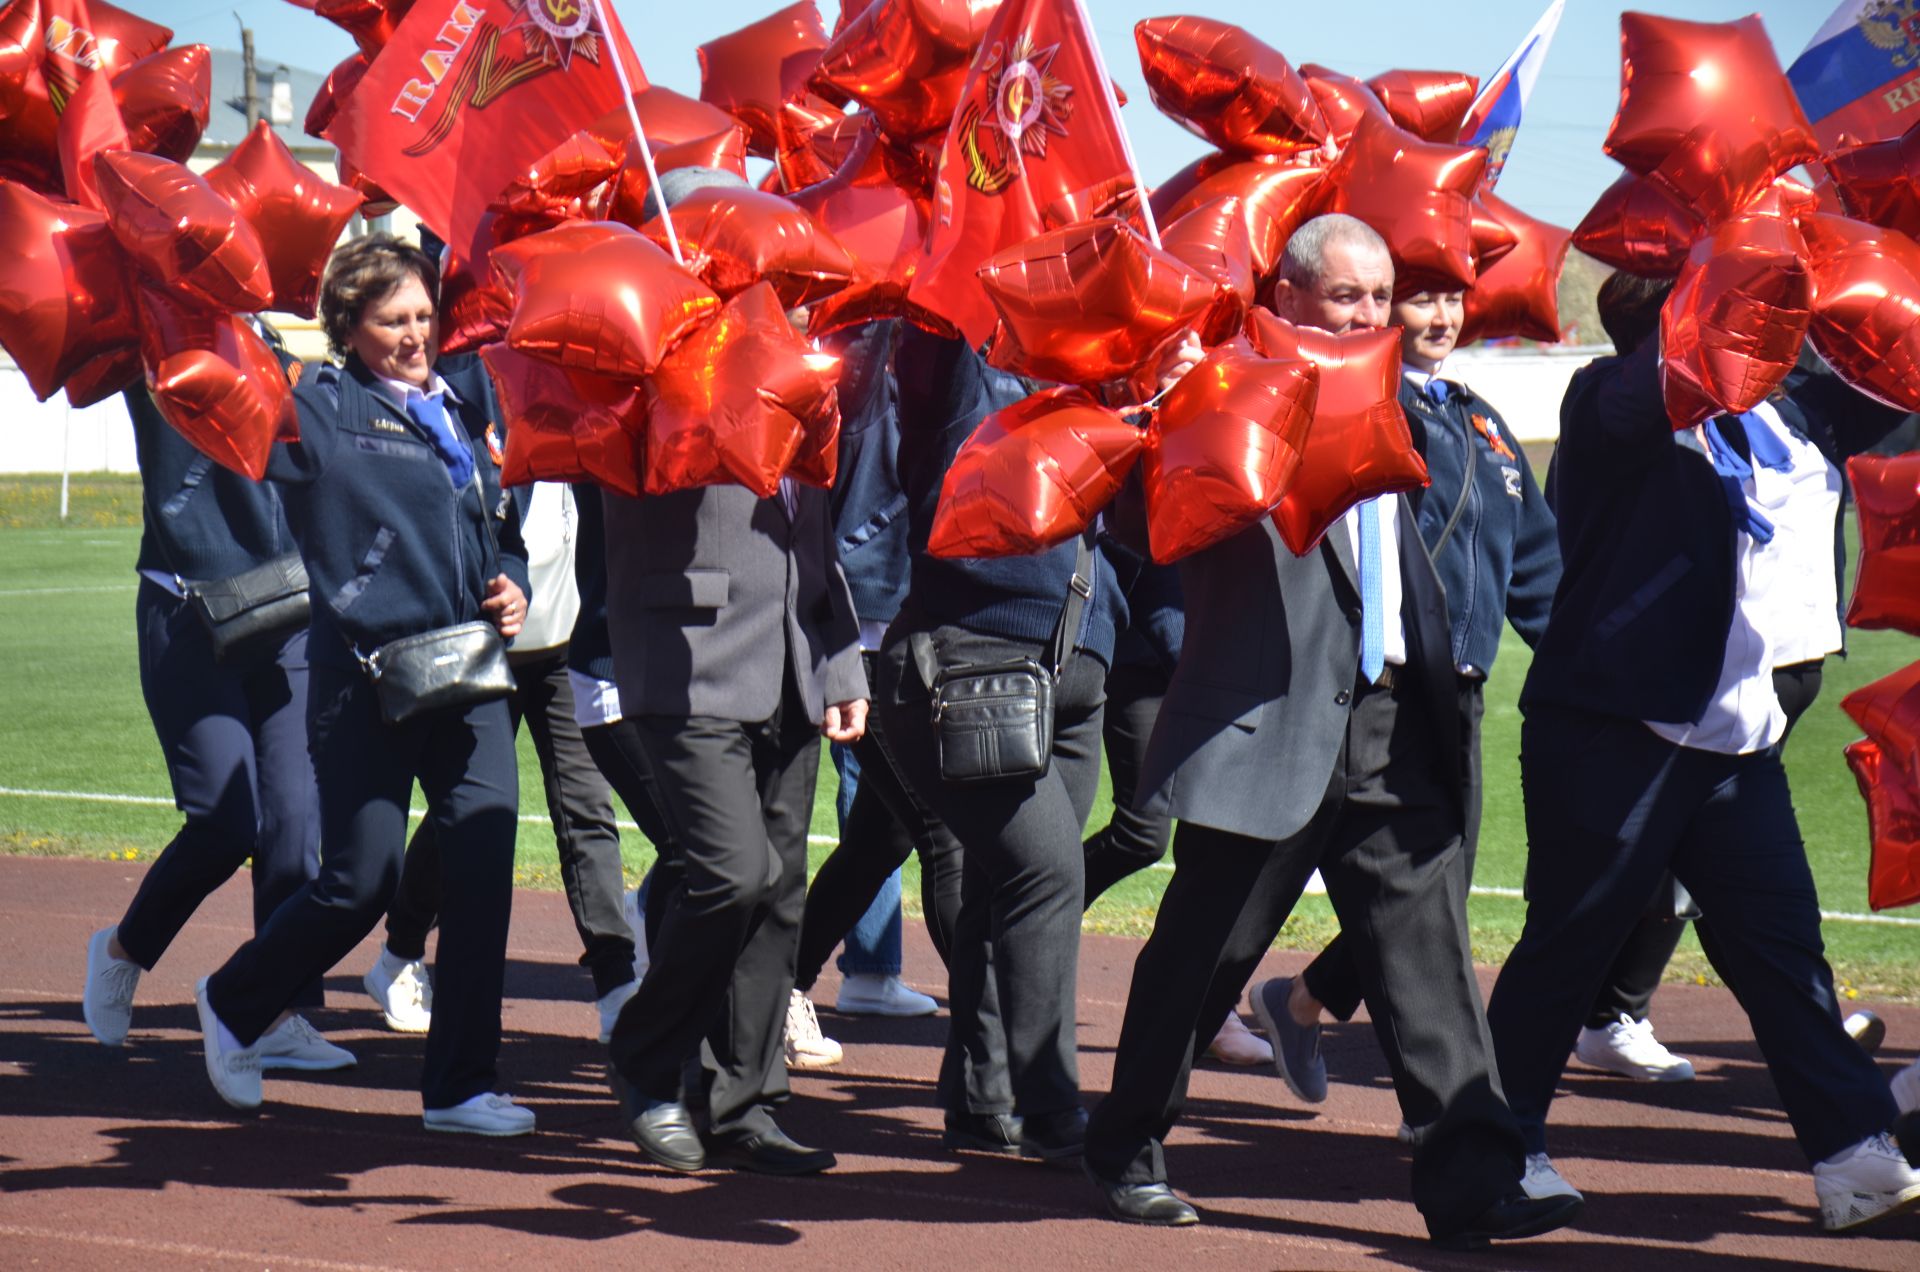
<point x="735" y="646"/>
<point x="1302" y="731"/>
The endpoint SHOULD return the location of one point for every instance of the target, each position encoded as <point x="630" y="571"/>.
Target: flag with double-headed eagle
<point x="1034" y="145"/>
<point x="468" y="93"/>
<point x="1494" y="118"/>
<point x="1859" y="77"/>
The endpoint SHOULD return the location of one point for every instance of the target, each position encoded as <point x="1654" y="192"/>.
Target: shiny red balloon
<point x="1638" y="227"/>
<point x="737" y="399"/>
<point x="1866" y="308"/>
<point x="1705" y="111"/>
<point x="105" y="376"/>
<point x="1213" y="239"/>
<point x="64" y="297"/>
<point x="179" y="231"/>
<point x="1428" y="104"/>
<point x="1733" y="327"/>
<point x="1225" y="444"/>
<point x="625" y="199"/>
<point x="1276" y="198"/>
<point x="1492" y="237"/>
<point x="1359" y="446"/>
<point x="1893" y="826"/>
<point x="670" y="118"/>
<point x="734" y="238"/>
<point x="1415" y="194"/>
<point x="371" y="23"/>
<point x="1033" y="475"/>
<point x="1888" y="711"/>
<point x="1088" y="303"/>
<point x="90" y="126"/>
<point x="164" y="99"/>
<point x="1343" y="100"/>
<point x="904" y="60"/>
<point x="1221" y="83"/>
<point x="601" y="298"/>
<point x="1880" y="182"/>
<point x="119" y="38"/>
<point x="809" y="155"/>
<point x="552" y="183"/>
<point x="566" y="425"/>
<point x="216" y="381"/>
<point x="1519" y="293"/>
<point x="753" y="72"/>
<point x="296" y="215"/>
<point x="338" y="85"/>
<point x="1886" y="498"/>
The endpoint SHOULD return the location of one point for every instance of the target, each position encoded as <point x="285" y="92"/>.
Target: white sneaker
<point x="1906" y="1088"/>
<point x="807" y="1047"/>
<point x="296" y="1044"/>
<point x="1870" y="1181"/>
<point x="486" y="1114"/>
<point x="1542" y="1180"/>
<point x="610" y="1004"/>
<point x="107" y="1000"/>
<point x="403" y="990"/>
<point x="1628" y="1047"/>
<point x="882" y="996"/>
<point x="630" y="907"/>
<point x="233" y="1069"/>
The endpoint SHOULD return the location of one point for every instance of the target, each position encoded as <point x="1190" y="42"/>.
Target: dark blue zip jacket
<point x="869" y="506"/>
<point x="1502" y="561"/>
<point x="590" y="651"/>
<point x="391" y="548"/>
<point x="199" y="521"/>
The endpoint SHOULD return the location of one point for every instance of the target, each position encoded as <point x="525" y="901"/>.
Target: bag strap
<point x="1079" y="589"/>
<point x="1460" y="504"/>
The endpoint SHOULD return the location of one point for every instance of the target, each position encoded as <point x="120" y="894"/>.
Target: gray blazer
<point x="1257" y="709"/>
<point x="709" y="590"/>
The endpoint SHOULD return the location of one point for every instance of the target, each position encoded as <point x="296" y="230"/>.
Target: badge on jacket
<point x="1513" y="481"/>
<point x="493" y="446"/>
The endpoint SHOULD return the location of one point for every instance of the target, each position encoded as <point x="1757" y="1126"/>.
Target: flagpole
<point x="605" y="9"/>
<point x="1113" y="104"/>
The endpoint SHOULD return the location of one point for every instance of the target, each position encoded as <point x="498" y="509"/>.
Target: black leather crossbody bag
<point x="994" y="722"/>
<point x="248" y="610"/>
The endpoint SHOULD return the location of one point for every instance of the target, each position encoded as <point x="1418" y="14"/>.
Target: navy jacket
<point x="590" y="652"/>
<point x="391" y="548"/>
<point x="868" y="505"/>
<point x="199" y="521"/>
<point x="1502" y="561"/>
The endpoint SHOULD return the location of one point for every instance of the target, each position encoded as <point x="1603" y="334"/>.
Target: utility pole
<point x="252" y="80"/>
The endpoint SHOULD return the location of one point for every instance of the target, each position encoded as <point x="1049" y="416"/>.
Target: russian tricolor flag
<point x="1860" y="75"/>
<point x="1494" y="117"/>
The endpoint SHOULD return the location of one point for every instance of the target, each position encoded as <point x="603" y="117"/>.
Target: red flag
<point x="86" y="45"/>
<point x="468" y="93"/>
<point x="1034" y="145"/>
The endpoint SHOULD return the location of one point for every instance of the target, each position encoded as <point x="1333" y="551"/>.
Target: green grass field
<point x="75" y="724"/>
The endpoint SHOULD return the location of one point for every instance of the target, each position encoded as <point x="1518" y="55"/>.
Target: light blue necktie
<point x="429" y="413"/>
<point x="1437" y="390"/>
<point x="1373" y="625"/>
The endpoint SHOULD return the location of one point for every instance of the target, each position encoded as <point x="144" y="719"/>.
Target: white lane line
<point x="64" y="591"/>
<point x="187" y="1251"/>
<point x="1314" y="884"/>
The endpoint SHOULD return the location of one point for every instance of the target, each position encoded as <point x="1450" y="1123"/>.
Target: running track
<point x="125" y="1158"/>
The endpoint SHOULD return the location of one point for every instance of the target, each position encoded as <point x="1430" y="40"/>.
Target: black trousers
<point x="1013" y="966"/>
<point x="1386" y="838"/>
<point x="1611" y="806"/>
<point x="738" y="798"/>
<point x="584" y="834"/>
<point x="464" y="761"/>
<point x="1142" y="821"/>
<point x="234" y="735"/>
<point x="886" y="824"/>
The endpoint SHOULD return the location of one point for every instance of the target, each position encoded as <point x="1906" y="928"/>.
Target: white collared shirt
<point x="1390" y="589"/>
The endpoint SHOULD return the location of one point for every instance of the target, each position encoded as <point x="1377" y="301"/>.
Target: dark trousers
<point x="1611" y="806"/>
<point x="1014" y="962"/>
<point x="1386" y="838"/>
<point x="584" y="835"/>
<point x="464" y="761"/>
<point x="738" y="798"/>
<point x="1142" y="821"/>
<point x="234" y="736"/>
<point x="622" y="760"/>
<point x="885" y="825"/>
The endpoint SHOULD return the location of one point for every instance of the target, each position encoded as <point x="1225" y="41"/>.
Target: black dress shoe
<point x="770" y="1152"/>
<point x="1144" y="1203"/>
<point x="982" y="1133"/>
<point x="664" y="1131"/>
<point x="1511" y="1218"/>
<point x="1054" y="1135"/>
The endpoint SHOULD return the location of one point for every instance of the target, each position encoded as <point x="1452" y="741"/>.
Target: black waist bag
<point x="447" y="667"/>
<point x="265" y="604"/>
<point x="993" y="722"/>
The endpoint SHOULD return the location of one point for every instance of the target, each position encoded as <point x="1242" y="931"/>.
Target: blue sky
<point x="1555" y="172"/>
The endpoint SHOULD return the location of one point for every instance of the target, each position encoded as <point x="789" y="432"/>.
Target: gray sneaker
<point x="1296" y="1047"/>
<point x="107" y="1001"/>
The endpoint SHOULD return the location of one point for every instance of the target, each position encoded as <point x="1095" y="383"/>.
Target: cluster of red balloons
<point x="1886" y="763"/>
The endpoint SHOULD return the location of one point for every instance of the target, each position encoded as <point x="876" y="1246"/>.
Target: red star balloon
<point x="1492" y="238"/>
<point x="1225" y="444"/>
<point x="106" y="376"/>
<point x="1213" y="239"/>
<point x="1222" y="84"/>
<point x="756" y="70"/>
<point x="1638" y="227"/>
<point x="1886" y="498"/>
<point x="1276" y="198"/>
<point x="1519" y="293"/>
<point x="905" y="60"/>
<point x="297" y="216"/>
<point x="1342" y="100"/>
<point x="571" y="170"/>
<point x="216" y="381"/>
<point x="371" y="23"/>
<point x="1033" y="475"/>
<point x="179" y="231"/>
<point x="65" y="300"/>
<point x="599" y="297"/>
<point x="734" y="238"/>
<point x="339" y="83"/>
<point x="1866" y="308"/>
<point x="1415" y="194"/>
<point x="1880" y="182"/>
<point x="1893" y="826"/>
<point x="1088" y="303"/>
<point x="1734" y="324"/>
<point x="810" y="155"/>
<point x="164" y="99"/>
<point x="1359" y="446"/>
<point x="566" y="425"/>
<point x="1888" y="711"/>
<point x="29" y="152"/>
<point x="1428" y="104"/>
<point x="735" y="401"/>
<point x="1705" y="111"/>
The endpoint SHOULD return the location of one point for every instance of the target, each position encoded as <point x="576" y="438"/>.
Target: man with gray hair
<point x="1328" y="679"/>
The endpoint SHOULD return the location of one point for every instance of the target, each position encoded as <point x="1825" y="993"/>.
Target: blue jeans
<point x="873" y="946"/>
